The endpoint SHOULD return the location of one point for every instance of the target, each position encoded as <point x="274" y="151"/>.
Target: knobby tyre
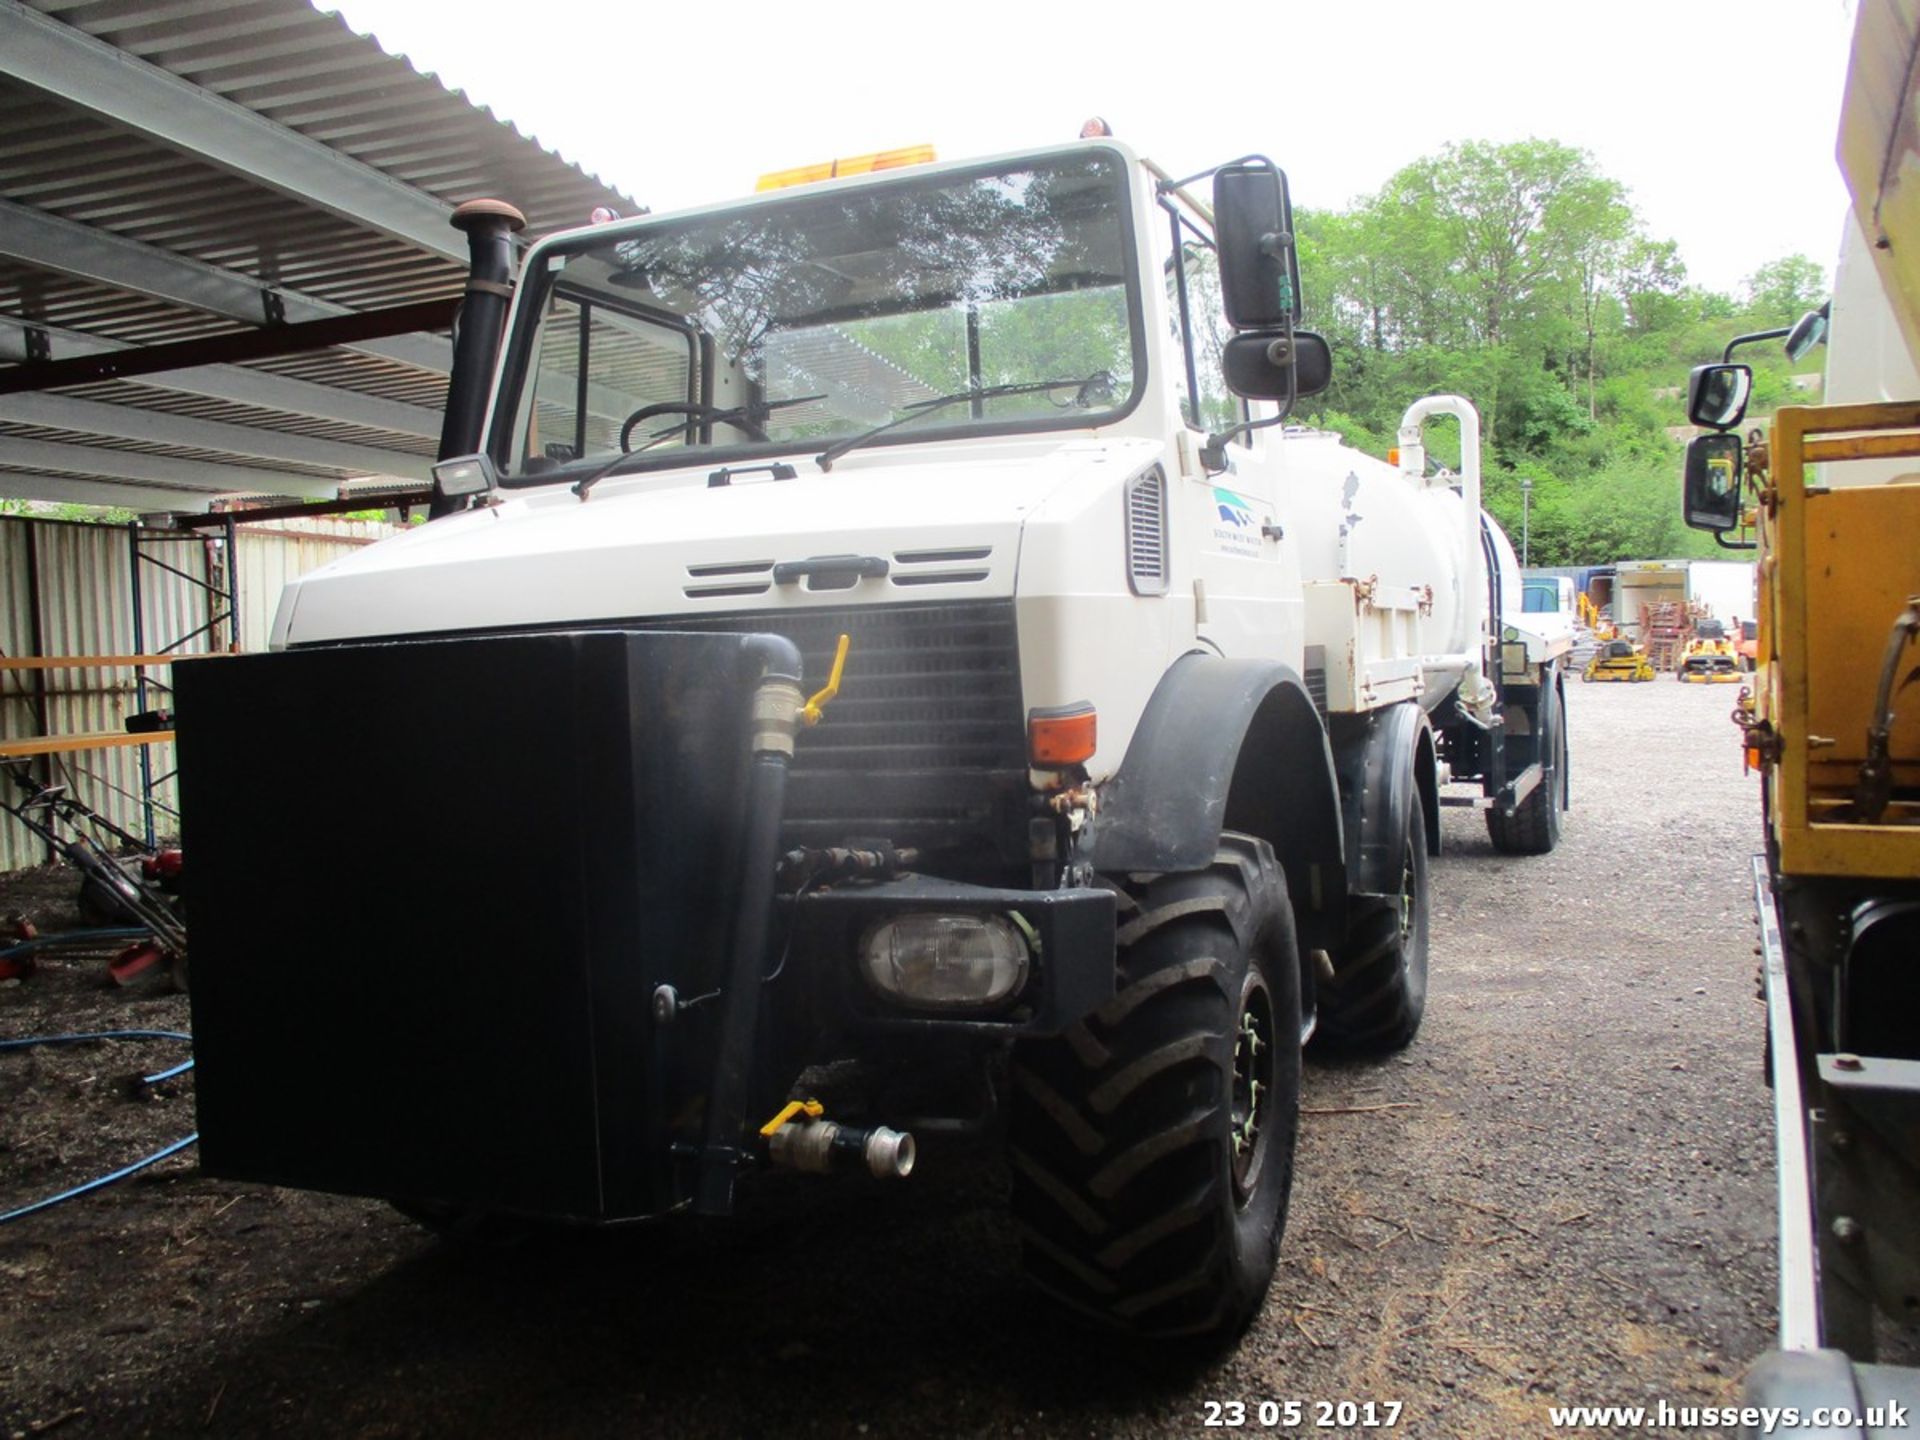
<point x="1378" y="992"/>
<point x="1152" y="1145"/>
<point x="1534" y="826"/>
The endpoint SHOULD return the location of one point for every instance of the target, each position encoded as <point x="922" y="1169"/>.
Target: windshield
<point x="789" y="326"/>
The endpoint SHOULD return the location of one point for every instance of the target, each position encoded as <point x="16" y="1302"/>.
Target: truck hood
<point x="946" y="521"/>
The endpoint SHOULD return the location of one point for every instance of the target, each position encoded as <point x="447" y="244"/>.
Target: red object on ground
<point x="165" y="865"/>
<point x="134" y="961"/>
<point x="16" y="969"/>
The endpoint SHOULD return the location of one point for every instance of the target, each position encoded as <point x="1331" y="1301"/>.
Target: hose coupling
<point x="821" y="1146"/>
<point x="776" y="715"/>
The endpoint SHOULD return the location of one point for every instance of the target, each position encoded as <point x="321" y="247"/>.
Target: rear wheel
<point x="1378" y="992"/>
<point x="1534" y="826"/>
<point x="1152" y="1145"/>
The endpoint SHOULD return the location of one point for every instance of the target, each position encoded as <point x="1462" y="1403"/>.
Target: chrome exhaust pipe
<point x="820" y="1146"/>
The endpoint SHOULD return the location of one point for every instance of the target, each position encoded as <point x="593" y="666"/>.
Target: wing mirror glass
<point x="1257" y="363"/>
<point x="1808" y="331"/>
<point x="1253" y="225"/>
<point x="1712" y="499"/>
<point x="1717" y="395"/>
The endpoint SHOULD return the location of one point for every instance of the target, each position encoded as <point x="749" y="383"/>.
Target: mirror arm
<point x="1720" y="539"/>
<point x="1726" y="356"/>
<point x="1165" y="186"/>
<point x="1213" y="454"/>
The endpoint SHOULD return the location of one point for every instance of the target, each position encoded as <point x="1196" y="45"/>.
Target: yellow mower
<point x="1618" y="660"/>
<point x="1709" y="657"/>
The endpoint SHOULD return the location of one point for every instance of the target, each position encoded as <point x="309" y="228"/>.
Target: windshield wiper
<point x="1097" y="386"/>
<point x="753" y="413"/>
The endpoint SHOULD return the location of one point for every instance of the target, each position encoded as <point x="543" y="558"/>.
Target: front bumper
<point x="438" y="977"/>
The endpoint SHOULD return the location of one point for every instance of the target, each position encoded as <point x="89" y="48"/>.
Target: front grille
<point x="925" y="744"/>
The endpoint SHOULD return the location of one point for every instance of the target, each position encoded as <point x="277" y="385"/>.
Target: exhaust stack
<point x="490" y="226"/>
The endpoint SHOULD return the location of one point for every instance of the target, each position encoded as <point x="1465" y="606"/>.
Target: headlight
<point x="946" y="962"/>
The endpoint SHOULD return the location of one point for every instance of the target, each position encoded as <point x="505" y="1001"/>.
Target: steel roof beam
<point x="127" y="422"/>
<point x="155" y="470"/>
<point x="73" y="67"/>
<point x="238" y="385"/>
<point x="260" y="342"/>
<point x="103" y="492"/>
<point x="50" y="242"/>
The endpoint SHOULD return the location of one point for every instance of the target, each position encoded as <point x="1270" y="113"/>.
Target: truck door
<point x="1246" y="596"/>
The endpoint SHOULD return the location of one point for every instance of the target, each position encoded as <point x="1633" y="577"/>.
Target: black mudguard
<point x="1384" y="758"/>
<point x="1228" y="745"/>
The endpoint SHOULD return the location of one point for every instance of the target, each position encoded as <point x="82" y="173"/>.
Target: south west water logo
<point x="1237" y="532"/>
<point x="1234" y="510"/>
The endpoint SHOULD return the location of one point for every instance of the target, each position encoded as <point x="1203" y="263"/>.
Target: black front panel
<point x="926" y="744"/>
<point x="434" y="886"/>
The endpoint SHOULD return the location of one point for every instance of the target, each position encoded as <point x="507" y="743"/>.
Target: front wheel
<point x="1152" y="1145"/>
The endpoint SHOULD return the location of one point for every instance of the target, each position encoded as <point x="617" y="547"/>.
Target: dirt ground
<point x="1560" y="1193"/>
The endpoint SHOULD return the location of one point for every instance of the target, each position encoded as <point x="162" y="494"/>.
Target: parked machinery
<point x="1833" y="725"/>
<point x="1708" y="656"/>
<point x="1618" y="661"/>
<point x="1131" y="711"/>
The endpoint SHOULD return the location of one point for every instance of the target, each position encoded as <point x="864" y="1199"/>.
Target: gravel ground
<point x="1560" y="1193"/>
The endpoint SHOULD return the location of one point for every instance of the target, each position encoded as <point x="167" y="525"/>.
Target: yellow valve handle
<point x="810" y="712"/>
<point x="812" y="1109"/>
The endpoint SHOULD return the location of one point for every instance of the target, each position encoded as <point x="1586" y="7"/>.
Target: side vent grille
<point x="1316" y="677"/>
<point x="1147" y="533"/>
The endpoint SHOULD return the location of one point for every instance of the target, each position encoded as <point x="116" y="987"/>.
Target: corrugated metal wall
<point x="67" y="589"/>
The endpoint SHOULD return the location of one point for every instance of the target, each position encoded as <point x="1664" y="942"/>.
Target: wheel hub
<point x="1254" y="1057"/>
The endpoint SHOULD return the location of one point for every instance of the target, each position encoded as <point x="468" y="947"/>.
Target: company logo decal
<point x="1237" y="531"/>
<point x="1233" y="509"/>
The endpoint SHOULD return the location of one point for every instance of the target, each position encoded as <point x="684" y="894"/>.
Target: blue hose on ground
<point x="105" y="1180"/>
<point x="73" y="937"/>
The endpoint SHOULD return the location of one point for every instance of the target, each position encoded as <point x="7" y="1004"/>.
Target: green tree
<point x="1783" y="290"/>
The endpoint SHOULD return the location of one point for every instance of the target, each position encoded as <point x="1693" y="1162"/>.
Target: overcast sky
<point x="1720" y="119"/>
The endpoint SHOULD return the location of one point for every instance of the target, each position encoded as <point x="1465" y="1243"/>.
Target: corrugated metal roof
<point x="79" y="156"/>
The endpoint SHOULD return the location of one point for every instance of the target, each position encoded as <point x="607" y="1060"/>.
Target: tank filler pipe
<point x="1470" y="637"/>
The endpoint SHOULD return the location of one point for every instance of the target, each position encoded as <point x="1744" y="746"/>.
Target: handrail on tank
<point x="1470" y="641"/>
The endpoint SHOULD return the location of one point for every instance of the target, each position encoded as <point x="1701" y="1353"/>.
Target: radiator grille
<point x="926" y="743"/>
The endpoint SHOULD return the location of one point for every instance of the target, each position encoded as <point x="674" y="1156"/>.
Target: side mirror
<point x="1808" y="331"/>
<point x="1256" y="364"/>
<point x="1712" y="498"/>
<point x="1717" y="395"/>
<point x="1253" y="226"/>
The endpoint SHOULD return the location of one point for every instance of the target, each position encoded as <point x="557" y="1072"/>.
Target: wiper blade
<point x="753" y="413"/>
<point x="1087" y="390"/>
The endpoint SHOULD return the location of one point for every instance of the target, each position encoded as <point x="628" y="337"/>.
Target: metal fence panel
<point x="67" y="589"/>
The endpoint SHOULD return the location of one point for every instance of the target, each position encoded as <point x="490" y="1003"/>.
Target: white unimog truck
<point x="1123" y="785"/>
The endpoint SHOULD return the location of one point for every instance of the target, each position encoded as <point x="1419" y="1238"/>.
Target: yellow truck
<point x="1829" y="497"/>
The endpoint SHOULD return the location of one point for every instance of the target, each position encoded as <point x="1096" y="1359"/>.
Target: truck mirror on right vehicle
<point x="1717" y="395"/>
<point x="1808" y="331"/>
<point x="1712" y="500"/>
<point x="1253" y="224"/>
